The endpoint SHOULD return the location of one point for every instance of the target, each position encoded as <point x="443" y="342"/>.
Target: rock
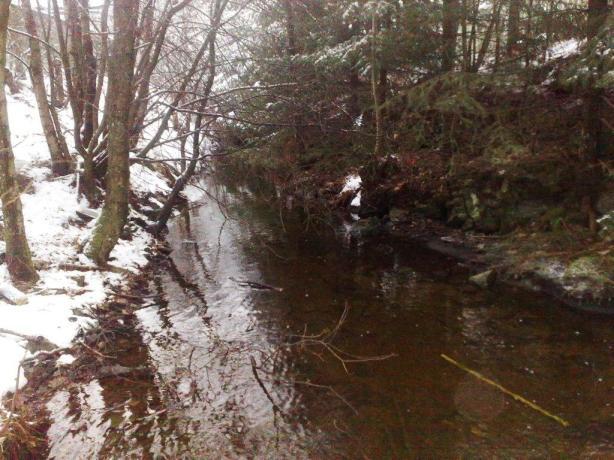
<point x="398" y="215"/>
<point x="79" y="279"/>
<point x="606" y="225"/>
<point x="366" y="227"/>
<point x="485" y="279"/>
<point x="86" y="214"/>
<point x="605" y="203"/>
<point x="525" y="213"/>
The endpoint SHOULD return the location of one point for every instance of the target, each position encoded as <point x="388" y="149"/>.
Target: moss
<point x="595" y="269"/>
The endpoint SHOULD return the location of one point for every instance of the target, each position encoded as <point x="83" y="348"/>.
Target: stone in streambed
<point x="485" y="279"/>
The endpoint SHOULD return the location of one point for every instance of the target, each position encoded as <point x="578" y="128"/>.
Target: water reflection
<point x="222" y="382"/>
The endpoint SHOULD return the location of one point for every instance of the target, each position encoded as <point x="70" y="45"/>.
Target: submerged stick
<point x="517" y="397"/>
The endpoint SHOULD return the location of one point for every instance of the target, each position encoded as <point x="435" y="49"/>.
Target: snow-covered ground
<point x="57" y="307"/>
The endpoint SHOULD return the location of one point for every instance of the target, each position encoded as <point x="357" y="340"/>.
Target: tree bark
<point x="292" y="50"/>
<point x="60" y="158"/>
<point x="147" y="66"/>
<point x="377" y="109"/>
<point x="597" y="14"/>
<point x="450" y="32"/>
<point x="18" y="257"/>
<point x="513" y="28"/>
<point x="487" y="37"/>
<point x="182" y="181"/>
<point x="119" y="99"/>
<point x="594" y="108"/>
<point x="90" y="109"/>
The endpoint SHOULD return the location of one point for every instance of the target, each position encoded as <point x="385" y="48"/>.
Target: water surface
<point x="233" y="370"/>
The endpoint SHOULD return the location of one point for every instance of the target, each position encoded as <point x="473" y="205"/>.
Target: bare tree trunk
<point x="10" y="81"/>
<point x="528" y="39"/>
<point x="182" y="181"/>
<point x="450" y="32"/>
<point x="90" y="110"/>
<point x="18" y="257"/>
<point x="119" y="99"/>
<point x="487" y="37"/>
<point x="75" y="95"/>
<point x="464" y="39"/>
<point x="60" y="158"/>
<point x="292" y="50"/>
<point x="474" y="34"/>
<point x="379" y="126"/>
<point x="104" y="54"/>
<point x="58" y="78"/>
<point x="594" y="113"/>
<point x="597" y="14"/>
<point x="146" y="67"/>
<point x="513" y="28"/>
<point x="75" y="50"/>
<point x="497" y="41"/>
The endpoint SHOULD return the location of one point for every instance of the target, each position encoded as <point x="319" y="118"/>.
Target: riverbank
<point x="499" y="169"/>
<point x="52" y="316"/>
<point x="219" y="349"/>
<point x="533" y="246"/>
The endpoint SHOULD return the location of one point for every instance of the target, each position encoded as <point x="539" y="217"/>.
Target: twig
<point x="276" y="408"/>
<point x="517" y="397"/>
<point x="96" y="352"/>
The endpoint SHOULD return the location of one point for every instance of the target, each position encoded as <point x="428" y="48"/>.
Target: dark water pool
<point x="236" y="370"/>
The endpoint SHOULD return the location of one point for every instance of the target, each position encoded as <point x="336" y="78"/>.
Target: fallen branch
<point x="501" y="388"/>
<point x="93" y="268"/>
<point x="255" y="285"/>
<point x="96" y="352"/>
<point x="36" y="343"/>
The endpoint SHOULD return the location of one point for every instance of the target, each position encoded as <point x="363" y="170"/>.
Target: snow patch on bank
<point x="353" y="183"/>
<point x="58" y="305"/>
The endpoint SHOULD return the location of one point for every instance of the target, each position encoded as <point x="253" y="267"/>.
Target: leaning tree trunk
<point x="60" y="159"/>
<point x="18" y="258"/>
<point x="121" y="71"/>
<point x="182" y="181"/>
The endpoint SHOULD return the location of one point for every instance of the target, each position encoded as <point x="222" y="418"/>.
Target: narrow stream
<point x="237" y="370"/>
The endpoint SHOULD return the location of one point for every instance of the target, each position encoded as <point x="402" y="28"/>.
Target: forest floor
<point x="50" y="317"/>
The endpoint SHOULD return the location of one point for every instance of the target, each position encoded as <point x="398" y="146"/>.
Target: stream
<point x="268" y="337"/>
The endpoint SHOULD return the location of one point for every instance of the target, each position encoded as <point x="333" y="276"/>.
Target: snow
<point x="65" y="360"/>
<point x="564" y="49"/>
<point x="57" y="307"/>
<point x="353" y="183"/>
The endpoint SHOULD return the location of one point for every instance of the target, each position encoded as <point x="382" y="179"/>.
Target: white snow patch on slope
<point x="353" y="183"/>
